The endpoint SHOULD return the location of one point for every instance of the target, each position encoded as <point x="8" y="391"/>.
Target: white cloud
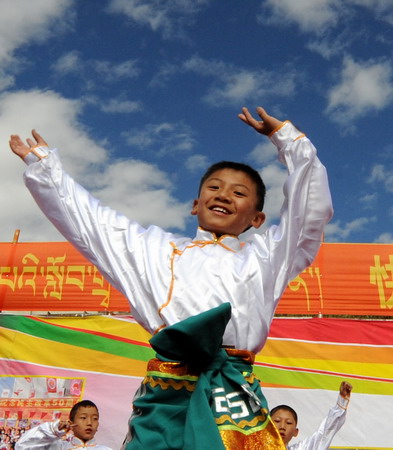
<point x="114" y="72"/>
<point x="380" y="175"/>
<point x="383" y="9"/>
<point x="336" y="231"/>
<point x="369" y="200"/>
<point x="384" y="238"/>
<point x="57" y="120"/>
<point x="274" y="177"/>
<point x="120" y="105"/>
<point x="318" y="16"/>
<point x="233" y="85"/>
<point x="141" y="189"/>
<point x="333" y="43"/>
<point x="168" y="16"/>
<point x="309" y="15"/>
<point x="69" y="62"/>
<point x="196" y="162"/>
<point x="74" y="63"/>
<point x="363" y="88"/>
<point x="164" y="138"/>
<point x="24" y="21"/>
<point x="263" y="153"/>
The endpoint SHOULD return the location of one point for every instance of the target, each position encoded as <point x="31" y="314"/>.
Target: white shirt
<point x="164" y="285"/>
<point x="323" y="437"/>
<point x="47" y="436"/>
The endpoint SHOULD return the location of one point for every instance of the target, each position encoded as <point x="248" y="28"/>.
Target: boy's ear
<point x="194" y="210"/>
<point x="258" y="220"/>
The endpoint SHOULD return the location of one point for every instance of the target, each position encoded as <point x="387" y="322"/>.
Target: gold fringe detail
<point x="170" y="383"/>
<point x="242" y="423"/>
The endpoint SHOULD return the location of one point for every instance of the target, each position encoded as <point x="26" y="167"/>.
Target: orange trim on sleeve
<point x="278" y="128"/>
<point x="299" y="137"/>
<point x="35" y="151"/>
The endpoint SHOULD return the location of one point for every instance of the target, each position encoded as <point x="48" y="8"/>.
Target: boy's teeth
<point x="223" y="210"/>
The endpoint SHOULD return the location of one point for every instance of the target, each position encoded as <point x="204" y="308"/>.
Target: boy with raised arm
<point x="208" y="300"/>
<point x="285" y="419"/>
<point x="77" y="432"/>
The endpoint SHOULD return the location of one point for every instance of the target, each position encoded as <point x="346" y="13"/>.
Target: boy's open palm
<point x="20" y="148"/>
<point x="264" y="126"/>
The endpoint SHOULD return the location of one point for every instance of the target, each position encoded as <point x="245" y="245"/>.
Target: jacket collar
<point x="228" y="240"/>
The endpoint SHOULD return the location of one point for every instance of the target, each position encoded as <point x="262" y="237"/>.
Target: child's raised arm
<point x="264" y="126"/>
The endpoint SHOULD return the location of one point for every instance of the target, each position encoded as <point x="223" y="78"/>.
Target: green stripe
<point x="296" y="379"/>
<point x="77" y="338"/>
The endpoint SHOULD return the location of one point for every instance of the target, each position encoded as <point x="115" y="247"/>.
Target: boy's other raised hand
<point x="264" y="126"/>
<point x="65" y="425"/>
<point x="345" y="389"/>
<point x="20" y="148"/>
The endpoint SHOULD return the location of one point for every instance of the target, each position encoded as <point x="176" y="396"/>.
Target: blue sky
<point x="140" y="96"/>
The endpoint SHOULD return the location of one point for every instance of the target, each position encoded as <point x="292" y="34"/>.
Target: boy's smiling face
<point x="227" y="203"/>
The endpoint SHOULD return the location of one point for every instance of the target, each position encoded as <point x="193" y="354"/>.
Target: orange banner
<point x="355" y="279"/>
<point x="344" y="279"/>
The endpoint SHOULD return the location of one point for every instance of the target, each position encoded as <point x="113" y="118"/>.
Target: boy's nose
<point x="223" y="196"/>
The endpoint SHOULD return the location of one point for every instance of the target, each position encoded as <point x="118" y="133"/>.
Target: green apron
<point x="197" y="395"/>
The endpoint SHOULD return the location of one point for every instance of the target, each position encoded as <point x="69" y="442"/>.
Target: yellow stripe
<point x="44" y="352"/>
<point x="364" y="369"/>
<point x="109" y="325"/>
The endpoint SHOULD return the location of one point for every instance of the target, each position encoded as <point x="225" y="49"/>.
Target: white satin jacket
<point x="47" y="436"/>
<point x="167" y="278"/>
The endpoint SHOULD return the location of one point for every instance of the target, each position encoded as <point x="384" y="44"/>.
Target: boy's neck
<point x="218" y="235"/>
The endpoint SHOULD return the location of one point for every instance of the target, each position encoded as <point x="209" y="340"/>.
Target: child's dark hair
<point x="82" y="404"/>
<point x="241" y="167"/>
<point x="285" y="408"/>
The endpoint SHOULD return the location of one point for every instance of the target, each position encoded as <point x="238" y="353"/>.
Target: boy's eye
<point x="240" y="194"/>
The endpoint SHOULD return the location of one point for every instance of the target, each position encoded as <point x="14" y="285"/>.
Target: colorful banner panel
<point x="345" y="279"/>
<point x="47" y="364"/>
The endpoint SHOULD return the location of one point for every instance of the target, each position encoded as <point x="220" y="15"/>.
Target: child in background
<point x="77" y="432"/>
<point x="206" y="397"/>
<point x="285" y="419"/>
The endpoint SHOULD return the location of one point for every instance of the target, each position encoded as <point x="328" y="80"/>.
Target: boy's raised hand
<point x="264" y="126"/>
<point x="345" y="389"/>
<point x="65" y="425"/>
<point x="20" y="148"/>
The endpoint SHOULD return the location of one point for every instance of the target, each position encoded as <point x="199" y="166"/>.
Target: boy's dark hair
<point x="82" y="404"/>
<point x="241" y="167"/>
<point x="285" y="408"/>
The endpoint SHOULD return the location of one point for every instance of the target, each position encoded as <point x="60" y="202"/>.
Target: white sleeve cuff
<point x="36" y="154"/>
<point x="342" y="402"/>
<point x="284" y="134"/>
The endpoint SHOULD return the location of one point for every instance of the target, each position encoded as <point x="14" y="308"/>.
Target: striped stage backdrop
<point x="48" y="364"/>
